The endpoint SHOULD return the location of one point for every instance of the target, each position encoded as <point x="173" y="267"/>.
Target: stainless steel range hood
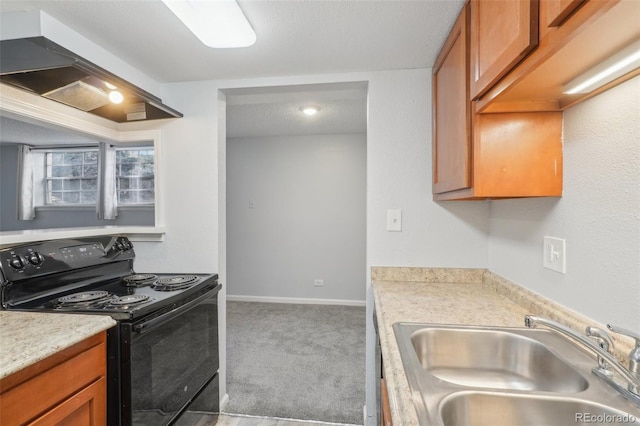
<point x="40" y="66"/>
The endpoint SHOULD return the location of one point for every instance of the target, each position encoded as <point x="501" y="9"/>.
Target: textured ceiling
<point x="276" y="111"/>
<point x="294" y="37"/>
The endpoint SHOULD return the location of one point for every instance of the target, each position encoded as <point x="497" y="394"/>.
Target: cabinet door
<point x="86" y="408"/>
<point x="554" y="12"/>
<point x="451" y="115"/>
<point x="503" y="32"/>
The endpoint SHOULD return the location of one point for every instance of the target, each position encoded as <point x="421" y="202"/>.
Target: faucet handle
<point x="603" y="338"/>
<point x="605" y="342"/>
<point x="634" y="355"/>
<point x="626" y="332"/>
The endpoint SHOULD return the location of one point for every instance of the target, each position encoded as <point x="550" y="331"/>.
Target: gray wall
<point x="296" y="212"/>
<point x="49" y="217"/>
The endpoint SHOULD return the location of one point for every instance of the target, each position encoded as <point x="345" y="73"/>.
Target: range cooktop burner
<point x="84" y="298"/>
<point x="139" y="280"/>
<point x="177" y="282"/>
<point x="126" y="301"/>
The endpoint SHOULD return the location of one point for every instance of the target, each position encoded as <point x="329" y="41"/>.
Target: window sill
<point x="135" y="233"/>
<point x="84" y="207"/>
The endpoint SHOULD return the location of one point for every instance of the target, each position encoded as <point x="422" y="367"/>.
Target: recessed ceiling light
<point x="310" y="110"/>
<point x="219" y="23"/>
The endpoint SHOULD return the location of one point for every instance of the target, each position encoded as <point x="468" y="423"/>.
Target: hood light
<point x="616" y="66"/>
<point x="219" y="23"/>
<point x="116" y="97"/>
<point x="310" y="110"/>
<point x="109" y="85"/>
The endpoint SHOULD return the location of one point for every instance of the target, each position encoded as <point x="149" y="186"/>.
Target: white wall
<point x="598" y="215"/>
<point x="307" y="220"/>
<point x="398" y="176"/>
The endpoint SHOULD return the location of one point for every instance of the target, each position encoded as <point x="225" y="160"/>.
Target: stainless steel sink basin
<point x="484" y="409"/>
<point x="493" y="376"/>
<point x="493" y="359"/>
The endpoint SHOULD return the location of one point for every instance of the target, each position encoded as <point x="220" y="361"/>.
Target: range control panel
<point x="46" y="257"/>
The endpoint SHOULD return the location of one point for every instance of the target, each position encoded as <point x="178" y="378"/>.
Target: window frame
<point x="47" y="179"/>
<point x="118" y="177"/>
<point x="43" y="199"/>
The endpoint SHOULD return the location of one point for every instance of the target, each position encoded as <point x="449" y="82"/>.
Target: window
<point x="71" y="176"/>
<point x="134" y="176"/>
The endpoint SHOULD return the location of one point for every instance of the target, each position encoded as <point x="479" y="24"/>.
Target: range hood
<point x="40" y="66"/>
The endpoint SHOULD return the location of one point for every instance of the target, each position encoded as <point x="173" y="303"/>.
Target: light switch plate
<point x="554" y="254"/>
<point x="394" y="220"/>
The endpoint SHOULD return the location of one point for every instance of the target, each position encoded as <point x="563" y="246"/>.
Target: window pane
<point x="56" y="198"/>
<point x="76" y="171"/>
<point x="135" y="172"/>
<point x="55" y="184"/>
<point x="90" y="184"/>
<point x="60" y="171"/>
<point x="70" y="167"/>
<point x="73" y="157"/>
<point x="88" y="197"/>
<point x="57" y="159"/>
<point x="72" y="184"/>
<point x="124" y="196"/>
<point x="71" y="197"/>
<point x="146" y="183"/>
<point x="146" y="197"/>
<point x="90" y="170"/>
<point x="91" y="157"/>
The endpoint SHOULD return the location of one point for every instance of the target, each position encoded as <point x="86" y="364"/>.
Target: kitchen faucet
<point x="605" y="359"/>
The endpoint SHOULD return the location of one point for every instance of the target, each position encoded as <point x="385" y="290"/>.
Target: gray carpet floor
<point x="302" y="362"/>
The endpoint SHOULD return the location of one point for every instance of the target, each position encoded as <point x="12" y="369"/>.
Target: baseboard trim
<point x="295" y="300"/>
<point x="224" y="401"/>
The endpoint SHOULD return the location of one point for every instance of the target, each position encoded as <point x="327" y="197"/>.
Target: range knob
<point x="35" y="258"/>
<point x="17" y="263"/>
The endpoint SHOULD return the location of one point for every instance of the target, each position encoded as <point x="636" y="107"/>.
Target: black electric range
<point x="163" y="353"/>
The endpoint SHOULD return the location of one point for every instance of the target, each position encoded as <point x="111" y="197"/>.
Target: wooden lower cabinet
<point x="68" y="388"/>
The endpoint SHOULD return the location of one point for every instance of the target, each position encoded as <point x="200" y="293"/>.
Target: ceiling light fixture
<point x="116" y="97"/>
<point x="218" y="23"/>
<point x="623" y="62"/>
<point x="310" y="110"/>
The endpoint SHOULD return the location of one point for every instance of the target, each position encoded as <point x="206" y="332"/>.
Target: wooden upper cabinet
<point x="555" y="12"/>
<point x="574" y="37"/>
<point x="478" y="156"/>
<point x="451" y="117"/>
<point x="503" y="32"/>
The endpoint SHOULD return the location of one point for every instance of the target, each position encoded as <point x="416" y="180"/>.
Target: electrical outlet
<point x="554" y="254"/>
<point x="394" y="220"/>
<point x="318" y="283"/>
<point x="252" y="204"/>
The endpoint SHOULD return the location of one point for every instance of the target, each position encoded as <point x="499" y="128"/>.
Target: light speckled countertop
<point x="28" y="337"/>
<point x="452" y="296"/>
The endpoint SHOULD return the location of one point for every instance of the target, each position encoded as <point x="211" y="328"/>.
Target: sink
<point x="492" y="376"/>
<point x="484" y="409"/>
<point x="493" y="359"/>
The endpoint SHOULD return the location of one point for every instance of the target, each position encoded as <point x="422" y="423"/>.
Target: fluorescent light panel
<point x="616" y="66"/>
<point x="217" y="23"/>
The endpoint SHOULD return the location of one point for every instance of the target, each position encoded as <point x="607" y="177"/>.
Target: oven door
<point x="168" y="361"/>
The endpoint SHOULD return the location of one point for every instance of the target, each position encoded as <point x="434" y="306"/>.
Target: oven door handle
<point x="156" y="322"/>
